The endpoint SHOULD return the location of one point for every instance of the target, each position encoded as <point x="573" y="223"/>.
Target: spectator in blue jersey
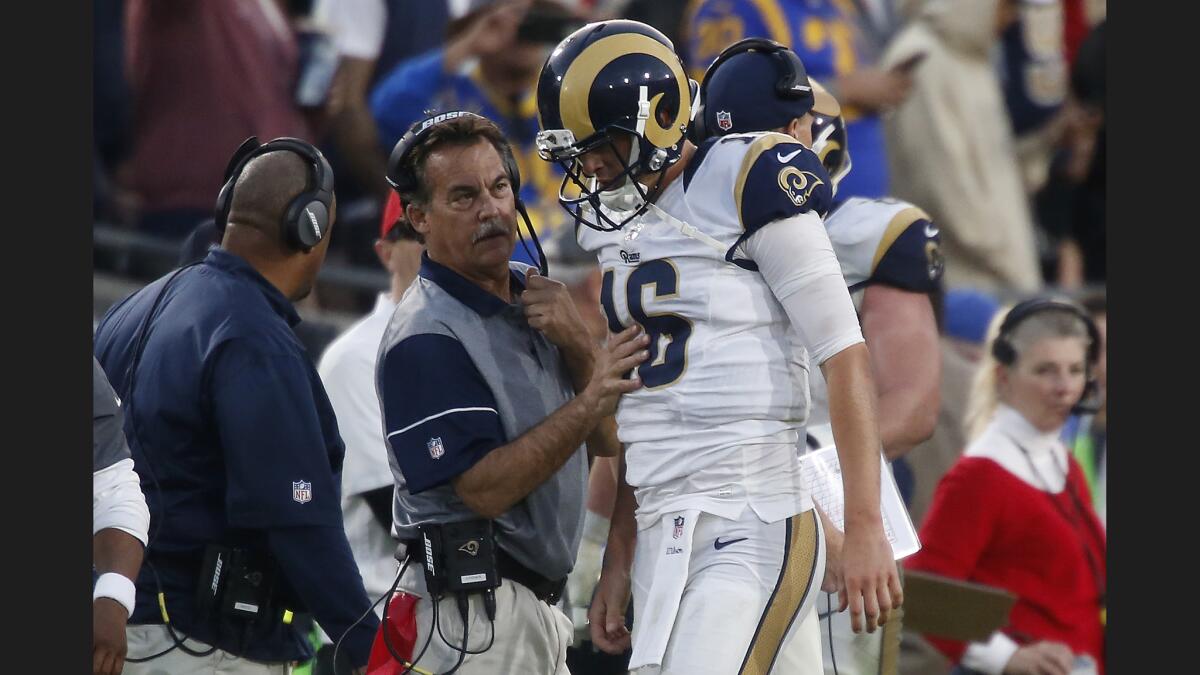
<point x="488" y="65"/>
<point x="826" y="36"/>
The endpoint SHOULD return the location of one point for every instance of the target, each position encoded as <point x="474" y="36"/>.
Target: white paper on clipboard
<point x="821" y="474"/>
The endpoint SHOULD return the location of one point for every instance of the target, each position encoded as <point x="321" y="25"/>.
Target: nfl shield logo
<point x="436" y="449"/>
<point x="301" y="491"/>
<point x="678" y="527"/>
<point x="724" y="120"/>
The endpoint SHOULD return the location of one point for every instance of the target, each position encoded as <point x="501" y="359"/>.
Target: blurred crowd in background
<point x="988" y="114"/>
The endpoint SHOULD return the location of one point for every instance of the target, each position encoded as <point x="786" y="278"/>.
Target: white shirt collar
<point x="1006" y="440"/>
<point x="1022" y="431"/>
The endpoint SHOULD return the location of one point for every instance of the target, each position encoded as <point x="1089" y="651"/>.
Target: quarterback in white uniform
<point x="887" y="250"/>
<point x="721" y="254"/>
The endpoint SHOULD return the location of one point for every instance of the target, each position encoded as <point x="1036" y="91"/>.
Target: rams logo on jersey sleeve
<point x="779" y="178"/>
<point x="909" y="254"/>
<point x="798" y="185"/>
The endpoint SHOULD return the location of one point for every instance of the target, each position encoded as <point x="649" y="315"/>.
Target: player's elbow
<point x="914" y="427"/>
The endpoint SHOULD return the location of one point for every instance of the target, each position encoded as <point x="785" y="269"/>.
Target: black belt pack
<point x="463" y="557"/>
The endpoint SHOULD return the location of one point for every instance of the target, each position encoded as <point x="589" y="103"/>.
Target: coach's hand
<point x="872" y="583"/>
<point x="621" y="354"/>
<point x="108" y="636"/>
<point x="550" y="309"/>
<point x="606" y="617"/>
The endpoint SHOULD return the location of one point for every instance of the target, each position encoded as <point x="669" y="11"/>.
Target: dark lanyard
<point x="1081" y="512"/>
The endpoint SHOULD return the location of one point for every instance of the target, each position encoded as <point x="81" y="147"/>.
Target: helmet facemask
<point x="624" y="198"/>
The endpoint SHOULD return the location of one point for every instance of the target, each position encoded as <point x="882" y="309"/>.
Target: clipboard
<point x="952" y="608"/>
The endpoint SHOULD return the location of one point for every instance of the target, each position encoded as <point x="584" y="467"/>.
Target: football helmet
<point x="606" y="78"/>
<point x="755" y="84"/>
<point x="830" y="141"/>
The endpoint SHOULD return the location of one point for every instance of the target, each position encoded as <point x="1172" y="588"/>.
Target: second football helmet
<point x="605" y="78"/>
<point x="830" y="141"/>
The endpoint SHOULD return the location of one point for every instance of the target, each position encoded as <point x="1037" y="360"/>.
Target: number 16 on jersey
<point x="652" y="281"/>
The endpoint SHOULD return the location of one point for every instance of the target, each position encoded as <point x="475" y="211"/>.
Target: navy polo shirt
<point x="229" y="426"/>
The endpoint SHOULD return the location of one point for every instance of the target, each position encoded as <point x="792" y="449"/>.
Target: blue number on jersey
<point x="665" y="364"/>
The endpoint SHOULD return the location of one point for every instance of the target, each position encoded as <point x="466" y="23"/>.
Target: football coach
<point x="490" y="387"/>
<point x="235" y="439"/>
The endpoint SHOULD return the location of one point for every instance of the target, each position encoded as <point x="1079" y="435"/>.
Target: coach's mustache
<point x="490" y="228"/>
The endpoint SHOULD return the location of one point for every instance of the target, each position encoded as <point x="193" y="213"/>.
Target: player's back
<point x="720" y="383"/>
<point x="877" y="241"/>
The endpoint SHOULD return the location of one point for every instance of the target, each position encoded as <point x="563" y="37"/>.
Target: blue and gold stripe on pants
<point x="797" y="577"/>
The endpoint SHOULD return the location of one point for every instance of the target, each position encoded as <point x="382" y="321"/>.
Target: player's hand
<point x="1040" y="658"/>
<point x="872" y="583"/>
<point x="108" y="637"/>
<point x="550" y="309"/>
<point x="621" y="354"/>
<point x="606" y="617"/>
<point x="874" y="89"/>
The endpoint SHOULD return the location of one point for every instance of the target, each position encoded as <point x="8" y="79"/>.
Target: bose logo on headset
<point x="442" y="118"/>
<point x="313" y="219"/>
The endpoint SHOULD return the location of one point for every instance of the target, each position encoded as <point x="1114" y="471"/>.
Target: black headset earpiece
<point x="306" y="220"/>
<point x="1005" y="353"/>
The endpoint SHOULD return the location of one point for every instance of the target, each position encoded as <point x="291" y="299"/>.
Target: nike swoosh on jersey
<point x="931" y="230"/>
<point x="718" y="544"/>
<point x="788" y="157"/>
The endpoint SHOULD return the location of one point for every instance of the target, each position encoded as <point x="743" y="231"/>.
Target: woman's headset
<point x="791" y="73"/>
<point x="306" y="219"/>
<point x="1005" y="353"/>
<point x="403" y="179"/>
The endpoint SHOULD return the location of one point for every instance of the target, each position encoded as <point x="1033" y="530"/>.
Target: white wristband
<point x="118" y="587"/>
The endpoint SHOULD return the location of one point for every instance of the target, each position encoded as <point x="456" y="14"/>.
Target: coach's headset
<point x="305" y="221"/>
<point x="1004" y="352"/>
<point x="787" y="62"/>
<point x="403" y="179"/>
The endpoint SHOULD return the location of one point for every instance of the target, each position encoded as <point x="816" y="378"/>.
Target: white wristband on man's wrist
<point x="118" y="587"/>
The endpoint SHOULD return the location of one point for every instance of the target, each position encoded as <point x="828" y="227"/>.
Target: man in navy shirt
<point x="236" y="443"/>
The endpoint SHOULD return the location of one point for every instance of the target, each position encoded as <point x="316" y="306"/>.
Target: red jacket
<point x="988" y="526"/>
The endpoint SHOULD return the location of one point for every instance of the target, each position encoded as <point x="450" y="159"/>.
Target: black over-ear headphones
<point x="306" y="219"/>
<point x="1004" y="352"/>
<point x="403" y="178"/>
<point x="791" y="73"/>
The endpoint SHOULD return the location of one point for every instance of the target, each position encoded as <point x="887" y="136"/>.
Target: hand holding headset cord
<point x="305" y="223"/>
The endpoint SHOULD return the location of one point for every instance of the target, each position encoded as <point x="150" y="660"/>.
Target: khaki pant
<point x="531" y="637"/>
<point x="145" y="640"/>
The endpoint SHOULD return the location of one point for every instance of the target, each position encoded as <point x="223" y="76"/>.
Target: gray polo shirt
<point x="460" y="373"/>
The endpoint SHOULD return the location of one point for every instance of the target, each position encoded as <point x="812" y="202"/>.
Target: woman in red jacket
<point x="1015" y="512"/>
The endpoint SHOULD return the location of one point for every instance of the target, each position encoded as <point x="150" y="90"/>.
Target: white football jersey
<point x="723" y="386"/>
<point x="885" y="241"/>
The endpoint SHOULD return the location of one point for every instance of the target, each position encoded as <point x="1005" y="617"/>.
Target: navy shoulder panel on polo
<point x="440" y="416"/>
